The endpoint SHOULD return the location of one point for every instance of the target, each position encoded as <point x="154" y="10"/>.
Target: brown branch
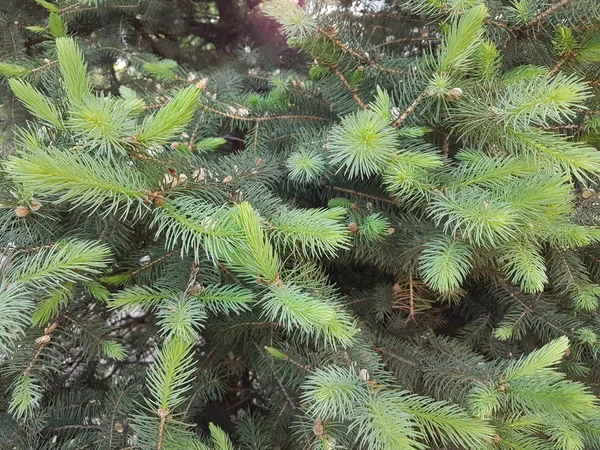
<point x="305" y="367"/>
<point x="402" y="40"/>
<point x="70" y="427"/>
<point x="156" y="105"/>
<point x="411" y="301"/>
<point x="561" y="62"/>
<point x="265" y="118"/>
<point x="446" y="148"/>
<point x="572" y="126"/>
<point x="331" y="35"/>
<point x="192" y="280"/>
<point x="35" y="249"/>
<point x="163" y="414"/>
<point x="151" y="263"/>
<point x="352" y="90"/>
<point x="400" y="120"/>
<point x="386" y="352"/>
<point x="98" y="338"/>
<point x="44" y="66"/>
<point x="112" y="418"/>
<point x="547" y="13"/>
<point x="73" y="9"/>
<point x="41" y="342"/>
<point x="362" y="194"/>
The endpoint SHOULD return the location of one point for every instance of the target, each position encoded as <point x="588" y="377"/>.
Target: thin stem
<point x="400" y="120"/>
<point x="44" y="66"/>
<point x="547" y="13"/>
<point x="42" y="342"/>
<point x="347" y="85"/>
<point x="362" y="194"/>
<point x="386" y="352"/>
<point x="265" y="118"/>
<point x="331" y="35"/>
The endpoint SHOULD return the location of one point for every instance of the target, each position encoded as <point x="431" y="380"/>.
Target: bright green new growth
<point x="384" y="236"/>
<point x="362" y="144"/>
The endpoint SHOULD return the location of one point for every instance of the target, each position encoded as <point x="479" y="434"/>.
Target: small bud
<point x="587" y="194"/>
<point x="318" y="428"/>
<point x="35" y="206"/>
<point x="174" y="145"/>
<point x="42" y="340"/>
<point x="173" y="180"/>
<point x="353" y="228"/>
<point x="156" y="197"/>
<point x="118" y="427"/>
<point x="363" y="374"/>
<point x="454" y="94"/>
<point x="391" y="231"/>
<point x="199" y="174"/>
<point x="227" y="179"/>
<point x="49" y="329"/>
<point x="22" y="211"/>
<point x="243" y="112"/>
<point x="202" y="84"/>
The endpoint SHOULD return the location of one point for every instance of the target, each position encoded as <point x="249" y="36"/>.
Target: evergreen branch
<point x="393" y="355"/>
<point x="26" y="392"/>
<point x="64" y="262"/>
<point x="36" y="102"/>
<point x="169" y="379"/>
<point x="170" y="119"/>
<point x="264" y="118"/>
<point x="309" y="316"/>
<point x="317" y="231"/>
<point x="73" y="69"/>
<point x="364" y="195"/>
<point x="537" y="363"/>
<point x="445" y="263"/>
<point x="462" y="40"/>
<point x="411" y="109"/>
<point x="350" y="89"/>
<point x="193" y="225"/>
<point x="447" y="424"/>
<point x="152" y="263"/>
<point x="330" y="34"/>
<point x="15" y="309"/>
<point x="332" y="393"/>
<point x="541" y="17"/>
<point x="43" y="67"/>
<point x="227" y="299"/>
<point x="81" y="179"/>
<point x="404" y="40"/>
<point x="76" y="8"/>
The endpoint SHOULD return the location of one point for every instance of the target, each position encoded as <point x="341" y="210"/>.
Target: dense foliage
<point x="383" y="236"/>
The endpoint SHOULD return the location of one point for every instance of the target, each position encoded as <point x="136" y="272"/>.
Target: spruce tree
<point x="381" y="237"/>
